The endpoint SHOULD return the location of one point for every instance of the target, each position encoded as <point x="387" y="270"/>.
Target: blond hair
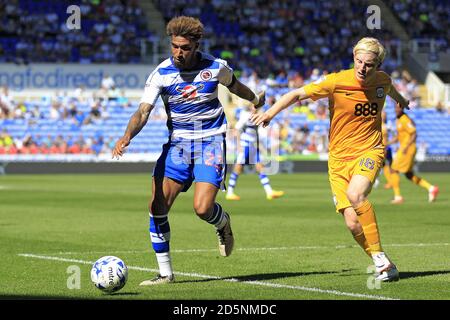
<point x="370" y="45"/>
<point x="187" y="27"/>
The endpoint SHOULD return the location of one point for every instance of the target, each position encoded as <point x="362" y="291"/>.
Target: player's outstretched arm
<point x="135" y="125"/>
<point x="244" y="92"/>
<point x="394" y="94"/>
<point x="284" y="102"/>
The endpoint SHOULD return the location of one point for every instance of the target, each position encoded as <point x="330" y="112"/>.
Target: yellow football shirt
<point x="405" y="129"/>
<point x="355" y="111"/>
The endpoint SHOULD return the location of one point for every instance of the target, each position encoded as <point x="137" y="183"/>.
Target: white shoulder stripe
<point x="188" y="134"/>
<point x="201" y="115"/>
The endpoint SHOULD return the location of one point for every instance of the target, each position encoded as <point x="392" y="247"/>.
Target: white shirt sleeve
<point x="152" y="88"/>
<point x="225" y="73"/>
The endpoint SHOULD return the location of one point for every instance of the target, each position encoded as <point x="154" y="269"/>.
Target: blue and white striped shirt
<point x="190" y="96"/>
<point x="248" y="130"/>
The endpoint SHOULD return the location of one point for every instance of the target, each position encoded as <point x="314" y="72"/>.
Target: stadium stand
<point x="36" y="31"/>
<point x="270" y="36"/>
<point x="427" y="19"/>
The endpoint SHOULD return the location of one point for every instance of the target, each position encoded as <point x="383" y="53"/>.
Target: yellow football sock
<point x="361" y="239"/>
<point x="395" y="181"/>
<point x="421" y="182"/>
<point x="366" y="216"/>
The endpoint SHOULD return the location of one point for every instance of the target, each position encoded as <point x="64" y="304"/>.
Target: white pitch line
<point x="188" y="250"/>
<point x="416" y="245"/>
<point x="204" y="276"/>
<point x="316" y="247"/>
<point x="97" y="252"/>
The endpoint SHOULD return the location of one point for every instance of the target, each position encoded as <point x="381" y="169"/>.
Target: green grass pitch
<point x="292" y="248"/>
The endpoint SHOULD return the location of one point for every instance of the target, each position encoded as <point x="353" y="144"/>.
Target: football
<point x="109" y="274"/>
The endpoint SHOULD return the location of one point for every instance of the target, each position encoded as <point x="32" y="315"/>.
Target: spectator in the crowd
<point x="440" y="107"/>
<point x="55" y="111"/>
<point x="34" y="114"/>
<point x="108" y="146"/>
<point x="113" y="93"/>
<point x="321" y="112"/>
<point x="19" y="111"/>
<point x="7" y="104"/>
<point x="281" y="79"/>
<point x="79" y="118"/>
<point x="299" y="141"/>
<point x="94" y="114"/>
<point x="74" y="148"/>
<point x="295" y="80"/>
<point x="123" y="100"/>
<point x="107" y="82"/>
<point x="97" y="145"/>
<point x="71" y="111"/>
<point x="80" y="94"/>
<point x="5" y="139"/>
<point x="305" y="129"/>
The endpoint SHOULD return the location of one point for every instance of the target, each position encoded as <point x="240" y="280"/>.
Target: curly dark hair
<point x="187" y="27"/>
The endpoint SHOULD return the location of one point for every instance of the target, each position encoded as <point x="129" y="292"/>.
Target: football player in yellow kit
<point x="356" y="151"/>
<point x="404" y="158"/>
<point x="387" y="151"/>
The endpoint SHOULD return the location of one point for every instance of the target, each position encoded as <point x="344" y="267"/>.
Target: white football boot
<point x="226" y="239"/>
<point x="385" y="270"/>
<point x="159" y="279"/>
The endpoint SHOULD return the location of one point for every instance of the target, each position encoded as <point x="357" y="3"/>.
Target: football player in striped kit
<point x="188" y="85"/>
<point x="249" y="154"/>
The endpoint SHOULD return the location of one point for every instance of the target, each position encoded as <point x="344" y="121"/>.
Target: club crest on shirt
<point x="190" y="91"/>
<point x="380" y="92"/>
<point x="205" y="75"/>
